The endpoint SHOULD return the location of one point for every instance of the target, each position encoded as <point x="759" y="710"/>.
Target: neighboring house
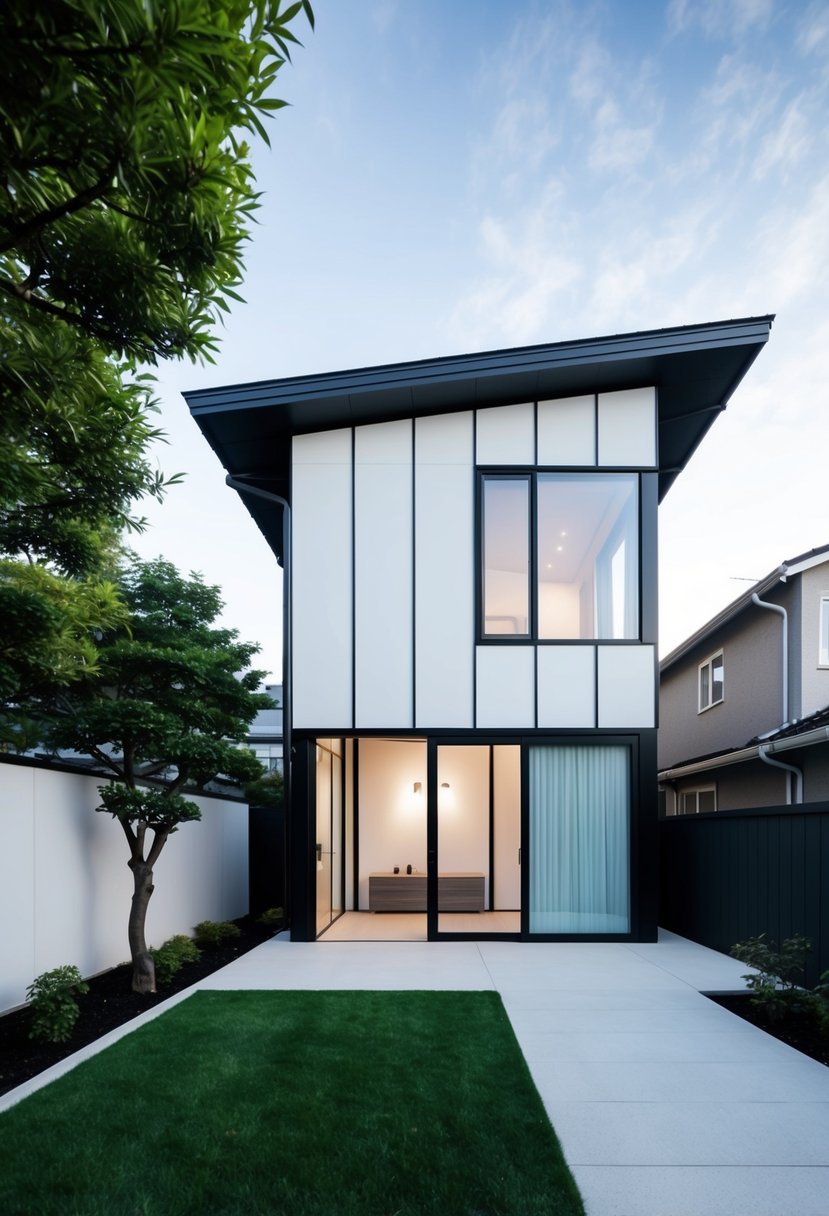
<point x="744" y="702"/>
<point x="265" y="732"/>
<point x="469" y="546"/>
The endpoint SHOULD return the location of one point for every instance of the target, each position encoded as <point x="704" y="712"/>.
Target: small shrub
<point x="170" y="957"/>
<point x="271" y="919"/>
<point x="215" y="933"/>
<point x="775" y="986"/>
<point x="53" y="1004"/>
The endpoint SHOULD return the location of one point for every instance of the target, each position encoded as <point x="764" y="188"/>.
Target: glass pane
<point x="824" y="632"/>
<point x="579" y="839"/>
<point x="717" y="683"/>
<point x="323" y="838"/>
<point x="506" y="556"/>
<point x="588" y="555"/>
<point x="706" y="800"/>
<point x="704" y="686"/>
<point x="336" y="835"/>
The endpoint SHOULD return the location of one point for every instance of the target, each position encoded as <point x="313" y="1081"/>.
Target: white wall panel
<point x="627" y="428"/>
<point x="567" y="431"/>
<point x="627" y="686"/>
<point x="383" y="551"/>
<point x="444" y="571"/>
<point x="17" y="873"/>
<point x="506" y="434"/>
<point x="505" y="686"/>
<point x="321" y="545"/>
<point x="566" y="686"/>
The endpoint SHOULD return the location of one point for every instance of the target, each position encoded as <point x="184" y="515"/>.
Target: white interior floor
<point x="411" y="926"/>
<point x="664" y="1103"/>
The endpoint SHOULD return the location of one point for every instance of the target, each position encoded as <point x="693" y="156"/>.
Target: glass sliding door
<point x="329" y="818"/>
<point x="579" y="827"/>
<point x="478" y="839"/>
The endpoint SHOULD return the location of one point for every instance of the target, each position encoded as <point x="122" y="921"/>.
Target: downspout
<point x="755" y="599"/>
<point x="763" y="753"/>
<point x="255" y="492"/>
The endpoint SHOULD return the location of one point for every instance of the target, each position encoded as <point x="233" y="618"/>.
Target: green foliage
<point x="170" y="957"/>
<point x="126" y="192"/>
<point x="52" y="998"/>
<point x="47" y="639"/>
<point x="775" y="985"/>
<point x="272" y="918"/>
<point x="215" y="933"/>
<point x="267" y="791"/>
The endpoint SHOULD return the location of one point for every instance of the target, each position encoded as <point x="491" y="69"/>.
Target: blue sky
<point x="466" y="175"/>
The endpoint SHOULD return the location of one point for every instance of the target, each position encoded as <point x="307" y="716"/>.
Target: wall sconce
<point x="444" y="785"/>
<point x="417" y="787"/>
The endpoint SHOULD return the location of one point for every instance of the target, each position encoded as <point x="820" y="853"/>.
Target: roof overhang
<point x="694" y="368"/>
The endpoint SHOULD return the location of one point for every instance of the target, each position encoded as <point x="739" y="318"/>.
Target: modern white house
<point x="470" y="548"/>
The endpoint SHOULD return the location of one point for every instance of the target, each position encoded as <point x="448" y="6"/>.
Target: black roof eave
<point x="694" y="368"/>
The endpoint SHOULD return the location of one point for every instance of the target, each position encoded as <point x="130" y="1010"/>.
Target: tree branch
<point x="159" y="841"/>
<point x="38" y="222"/>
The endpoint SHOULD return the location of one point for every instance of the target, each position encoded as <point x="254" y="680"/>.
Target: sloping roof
<point x="786" y="569"/>
<point x="695" y="369"/>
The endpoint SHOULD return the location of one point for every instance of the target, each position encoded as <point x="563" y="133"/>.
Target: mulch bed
<point x="797" y="1030"/>
<point x="109" y="1003"/>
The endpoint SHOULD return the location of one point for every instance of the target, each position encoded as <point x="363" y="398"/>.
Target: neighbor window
<point x="823" y="650"/>
<point x="711" y="683"/>
<point x="697" y="801"/>
<point x="580" y="576"/>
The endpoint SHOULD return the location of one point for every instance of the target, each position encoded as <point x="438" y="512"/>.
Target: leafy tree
<point x="172" y="699"/>
<point x="126" y="197"/>
<point x="267" y="791"/>
<point x="126" y="190"/>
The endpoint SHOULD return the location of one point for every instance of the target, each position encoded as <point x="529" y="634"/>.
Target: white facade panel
<point x="506" y="435"/>
<point x="444" y="571"/>
<point x="627" y="428"/>
<point x="566" y="686"/>
<point x="627" y="686"/>
<point x="505" y="686"/>
<point x="321" y="543"/>
<point x="383" y="561"/>
<point x="567" y="431"/>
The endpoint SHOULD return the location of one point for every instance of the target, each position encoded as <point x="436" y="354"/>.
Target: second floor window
<point x="711" y="681"/>
<point x="560" y="556"/>
<point x="823" y="650"/>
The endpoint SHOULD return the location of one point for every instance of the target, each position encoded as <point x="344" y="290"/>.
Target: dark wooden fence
<point x="730" y="875"/>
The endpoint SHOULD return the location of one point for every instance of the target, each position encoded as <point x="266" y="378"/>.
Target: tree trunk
<point x="143" y="967"/>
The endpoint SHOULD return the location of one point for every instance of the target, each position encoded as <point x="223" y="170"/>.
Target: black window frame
<point x="531" y="638"/>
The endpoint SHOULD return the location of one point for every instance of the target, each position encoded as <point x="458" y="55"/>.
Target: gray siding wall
<point x="814" y="680"/>
<point x="752" y="703"/>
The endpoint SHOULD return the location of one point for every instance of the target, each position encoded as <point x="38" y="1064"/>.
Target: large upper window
<point x="711" y="682"/>
<point x="823" y="648"/>
<point x="560" y="555"/>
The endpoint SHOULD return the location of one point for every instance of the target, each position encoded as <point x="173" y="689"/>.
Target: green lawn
<point x="302" y="1103"/>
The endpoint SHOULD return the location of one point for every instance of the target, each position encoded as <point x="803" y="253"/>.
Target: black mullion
<point x="414" y="578"/>
<point x="532" y="572"/>
<point x="353" y="578"/>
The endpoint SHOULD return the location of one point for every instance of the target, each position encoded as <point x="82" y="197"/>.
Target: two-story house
<point x="745" y="700"/>
<point x="469" y="546"/>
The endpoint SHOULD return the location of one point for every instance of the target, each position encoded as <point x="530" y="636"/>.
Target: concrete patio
<point x="665" y="1104"/>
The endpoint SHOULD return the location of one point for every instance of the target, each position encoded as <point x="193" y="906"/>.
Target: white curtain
<point x="579" y="839"/>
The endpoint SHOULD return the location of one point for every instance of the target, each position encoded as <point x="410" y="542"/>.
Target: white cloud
<point x="718" y="18"/>
<point x="618" y="147"/>
<point x="784" y="147"/>
<point x="813" y="31"/>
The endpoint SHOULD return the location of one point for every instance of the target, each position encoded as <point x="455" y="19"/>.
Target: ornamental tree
<point x="165" y="713"/>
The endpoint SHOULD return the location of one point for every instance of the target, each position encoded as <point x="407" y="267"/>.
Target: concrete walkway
<point x="665" y="1104"/>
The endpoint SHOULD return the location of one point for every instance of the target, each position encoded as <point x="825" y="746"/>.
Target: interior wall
<point x="392" y="816"/>
<point x="463" y="811"/>
<point x="506" y="771"/>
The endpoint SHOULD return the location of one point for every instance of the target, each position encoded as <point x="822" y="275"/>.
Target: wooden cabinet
<point x="457" y="892"/>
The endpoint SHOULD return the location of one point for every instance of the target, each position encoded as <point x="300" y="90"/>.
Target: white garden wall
<point x="65" y="886"/>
